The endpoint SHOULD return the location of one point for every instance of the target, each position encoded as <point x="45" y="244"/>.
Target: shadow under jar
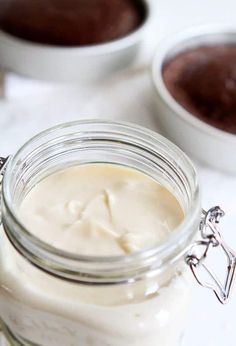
<point x="50" y="297"/>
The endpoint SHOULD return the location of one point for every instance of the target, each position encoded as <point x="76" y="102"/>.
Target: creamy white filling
<point x="100" y="209"/>
<point x="95" y="210"/>
<point x="51" y="312"/>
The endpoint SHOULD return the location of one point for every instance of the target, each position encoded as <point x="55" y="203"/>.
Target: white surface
<point x="32" y="107"/>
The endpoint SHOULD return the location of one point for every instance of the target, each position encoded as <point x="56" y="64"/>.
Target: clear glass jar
<point x="49" y="297"/>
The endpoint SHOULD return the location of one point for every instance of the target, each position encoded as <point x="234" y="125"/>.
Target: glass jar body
<point x="40" y="309"/>
<point x="140" y="301"/>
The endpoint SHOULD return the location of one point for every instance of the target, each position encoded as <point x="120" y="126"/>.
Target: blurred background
<point x="29" y="105"/>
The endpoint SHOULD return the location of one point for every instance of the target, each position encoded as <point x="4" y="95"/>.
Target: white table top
<point x="30" y="106"/>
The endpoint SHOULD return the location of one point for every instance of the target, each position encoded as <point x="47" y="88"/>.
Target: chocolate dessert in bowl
<point x="194" y="76"/>
<point x="71" y="40"/>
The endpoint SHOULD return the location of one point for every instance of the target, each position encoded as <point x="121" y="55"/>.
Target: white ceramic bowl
<point x="205" y="142"/>
<point x="71" y="64"/>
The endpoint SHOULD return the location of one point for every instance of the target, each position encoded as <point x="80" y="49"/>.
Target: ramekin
<point x="210" y="145"/>
<point x="86" y="64"/>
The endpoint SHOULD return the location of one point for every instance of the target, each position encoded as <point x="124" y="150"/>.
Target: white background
<point x="30" y="106"/>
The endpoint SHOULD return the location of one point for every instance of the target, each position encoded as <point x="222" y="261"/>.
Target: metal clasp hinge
<point x="3" y="164"/>
<point x="210" y="239"/>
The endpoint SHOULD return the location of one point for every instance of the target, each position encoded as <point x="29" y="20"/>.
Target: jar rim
<point x="157" y="251"/>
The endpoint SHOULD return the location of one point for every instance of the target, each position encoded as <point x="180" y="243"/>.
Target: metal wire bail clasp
<point x="3" y="163"/>
<point x="210" y="239"/>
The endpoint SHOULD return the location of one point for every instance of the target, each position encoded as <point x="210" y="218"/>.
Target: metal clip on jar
<point x="50" y="297"/>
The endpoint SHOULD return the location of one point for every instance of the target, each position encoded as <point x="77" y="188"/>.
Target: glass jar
<point x="49" y="297"/>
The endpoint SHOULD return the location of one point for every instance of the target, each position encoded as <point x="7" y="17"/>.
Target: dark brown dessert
<point x="203" y="81"/>
<point x="71" y="22"/>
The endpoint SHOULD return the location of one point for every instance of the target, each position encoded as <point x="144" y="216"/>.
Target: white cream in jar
<point x="104" y="210"/>
<point x="100" y="209"/>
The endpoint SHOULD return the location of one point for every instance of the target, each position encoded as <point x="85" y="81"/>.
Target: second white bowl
<point x="210" y="145"/>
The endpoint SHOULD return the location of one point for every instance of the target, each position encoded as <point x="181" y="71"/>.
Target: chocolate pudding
<point x="71" y="22"/>
<point x="203" y="81"/>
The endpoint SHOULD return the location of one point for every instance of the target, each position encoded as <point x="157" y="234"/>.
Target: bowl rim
<point x="163" y="50"/>
<point x="95" y="49"/>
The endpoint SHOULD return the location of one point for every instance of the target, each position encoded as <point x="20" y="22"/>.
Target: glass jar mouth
<point x="69" y="265"/>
